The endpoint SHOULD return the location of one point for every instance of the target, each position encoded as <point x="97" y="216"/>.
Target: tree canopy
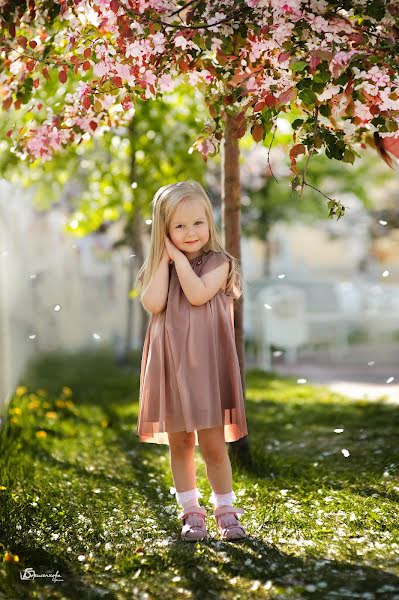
<point x="336" y="62"/>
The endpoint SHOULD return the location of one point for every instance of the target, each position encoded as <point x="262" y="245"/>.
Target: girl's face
<point x="189" y="224"/>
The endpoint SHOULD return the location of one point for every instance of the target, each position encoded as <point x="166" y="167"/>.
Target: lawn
<point x="81" y="496"/>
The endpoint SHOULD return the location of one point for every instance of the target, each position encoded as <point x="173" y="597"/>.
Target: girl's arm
<point x="198" y="290"/>
<point x="155" y="295"/>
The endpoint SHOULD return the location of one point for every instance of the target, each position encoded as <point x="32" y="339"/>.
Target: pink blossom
<point x="150" y="78"/>
<point x="165" y="83"/>
<point x="181" y="42"/>
<point x="159" y="42"/>
<point x="362" y="112"/>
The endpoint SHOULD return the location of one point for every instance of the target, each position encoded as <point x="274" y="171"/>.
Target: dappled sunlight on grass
<point x="79" y="493"/>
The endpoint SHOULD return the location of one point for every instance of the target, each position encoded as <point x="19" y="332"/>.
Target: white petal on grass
<point x="345" y="452"/>
<point x="390" y="379"/>
<point x="283" y="492"/>
<point x="255" y="585"/>
<point x="338" y="430"/>
<point x="81" y="557"/>
<point x="172" y="490"/>
<point x="108" y="567"/>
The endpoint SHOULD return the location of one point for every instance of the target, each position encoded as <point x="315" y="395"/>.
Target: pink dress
<point x="190" y="375"/>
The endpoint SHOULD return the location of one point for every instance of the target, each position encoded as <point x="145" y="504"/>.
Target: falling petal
<point x="301" y="380"/>
<point x="96" y="336"/>
<point x="57" y="307"/>
<point x="381" y="222"/>
<point x="33" y="276"/>
<point x="32" y="336"/>
<point x="345" y="452"/>
<point x="267" y="306"/>
<point x="4" y="253"/>
<point x="385" y="274"/>
<point x="281" y="276"/>
<point x="390" y="379"/>
<point x="277" y="353"/>
<point x="371" y="362"/>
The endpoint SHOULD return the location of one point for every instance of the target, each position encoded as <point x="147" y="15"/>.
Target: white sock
<point x="222" y="499"/>
<point x="188" y="498"/>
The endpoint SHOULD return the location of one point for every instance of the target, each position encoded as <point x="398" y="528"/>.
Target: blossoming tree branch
<point x="337" y="62"/>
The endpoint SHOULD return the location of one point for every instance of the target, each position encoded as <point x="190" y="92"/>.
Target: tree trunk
<point x="231" y="226"/>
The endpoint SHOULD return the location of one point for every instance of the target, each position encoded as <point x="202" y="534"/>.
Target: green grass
<point x="80" y="494"/>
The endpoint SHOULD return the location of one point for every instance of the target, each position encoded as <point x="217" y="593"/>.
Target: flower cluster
<point x="251" y="58"/>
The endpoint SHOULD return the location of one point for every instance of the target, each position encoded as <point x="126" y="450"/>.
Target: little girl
<point x="190" y="384"/>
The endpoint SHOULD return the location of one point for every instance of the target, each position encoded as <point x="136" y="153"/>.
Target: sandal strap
<point x="228" y="509"/>
<point x="192" y="509"/>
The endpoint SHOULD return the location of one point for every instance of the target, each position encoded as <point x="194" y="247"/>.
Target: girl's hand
<point x="174" y="253"/>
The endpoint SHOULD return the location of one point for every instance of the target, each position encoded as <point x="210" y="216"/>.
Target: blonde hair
<point x="164" y="203"/>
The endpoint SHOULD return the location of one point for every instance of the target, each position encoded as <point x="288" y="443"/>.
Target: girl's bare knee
<point x="212" y="444"/>
<point x="181" y="440"/>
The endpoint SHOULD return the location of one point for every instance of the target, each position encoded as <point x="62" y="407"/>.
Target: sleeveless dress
<point x="190" y="376"/>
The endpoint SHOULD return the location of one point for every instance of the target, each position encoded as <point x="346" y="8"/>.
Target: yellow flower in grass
<point x="104" y="422"/>
<point x="14" y="420"/>
<point x="60" y="403"/>
<point x="33" y="404"/>
<point x="3" y="487"/>
<point x="51" y="414"/>
<point x="67" y="391"/>
<point x="10" y="557"/>
<point x="21" y="390"/>
<point x="42" y="392"/>
<point x="70" y="406"/>
<point x="46" y="405"/>
<point x="41" y="433"/>
<point x="15" y="411"/>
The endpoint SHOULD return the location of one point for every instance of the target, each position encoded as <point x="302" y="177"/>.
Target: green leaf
<point x="308" y="96"/>
<point x="349" y="156"/>
<point x="298" y="66"/>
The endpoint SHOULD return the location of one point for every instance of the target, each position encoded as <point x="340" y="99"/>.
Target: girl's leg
<point x="182" y="446"/>
<point x="214" y="451"/>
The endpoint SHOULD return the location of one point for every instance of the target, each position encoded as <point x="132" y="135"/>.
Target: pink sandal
<point x="228" y="524"/>
<point x="194" y="527"/>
